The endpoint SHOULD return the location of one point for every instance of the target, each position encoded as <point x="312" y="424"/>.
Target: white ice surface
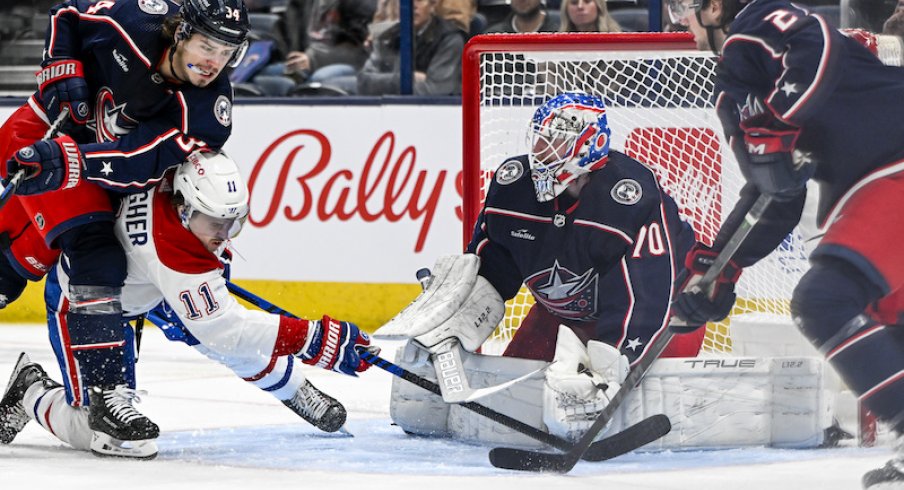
<point x="220" y="433"/>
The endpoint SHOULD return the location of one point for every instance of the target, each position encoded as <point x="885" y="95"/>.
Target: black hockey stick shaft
<point x="604" y="449"/>
<point x="519" y="459"/>
<point x="12" y="182"/>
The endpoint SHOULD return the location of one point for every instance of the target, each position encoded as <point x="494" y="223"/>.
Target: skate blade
<point x="106" y="446"/>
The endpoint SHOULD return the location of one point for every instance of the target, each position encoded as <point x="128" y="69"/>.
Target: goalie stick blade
<point x="634" y="437"/>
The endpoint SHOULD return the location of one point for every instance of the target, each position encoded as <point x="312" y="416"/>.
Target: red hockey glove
<point x="698" y="307"/>
<point x="869" y="40"/>
<point x="49" y="165"/>
<point x="61" y="83"/>
<point x="771" y="164"/>
<point x="332" y="345"/>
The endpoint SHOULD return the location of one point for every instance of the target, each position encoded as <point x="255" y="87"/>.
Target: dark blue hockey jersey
<point x="846" y="102"/>
<point x="141" y="125"/>
<point x="608" y="258"/>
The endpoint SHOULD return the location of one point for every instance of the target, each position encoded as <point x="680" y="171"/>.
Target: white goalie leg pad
<point x="457" y="303"/>
<point x="579" y="384"/>
<point x="734" y="402"/>
<point x="418" y="411"/>
<point x="414" y="409"/>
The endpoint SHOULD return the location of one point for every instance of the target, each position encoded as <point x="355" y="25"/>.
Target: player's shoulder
<point x="136" y="13"/>
<point x="138" y="24"/>
<point x="622" y="167"/>
<point x="770" y="18"/>
<point x="209" y="110"/>
<point x="624" y="184"/>
<point x="511" y="181"/>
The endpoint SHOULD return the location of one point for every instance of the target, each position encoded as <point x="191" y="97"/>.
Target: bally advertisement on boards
<point x="347" y="202"/>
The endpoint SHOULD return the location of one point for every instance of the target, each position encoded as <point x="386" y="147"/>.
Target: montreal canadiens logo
<point x="154" y="7"/>
<point x="509" y="172"/>
<point x="627" y="192"/>
<point x="222" y="110"/>
<point x="566" y="294"/>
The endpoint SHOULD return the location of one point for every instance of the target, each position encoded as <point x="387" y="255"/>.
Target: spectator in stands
<point x="437" y="60"/>
<point x="895" y="23"/>
<point x="526" y="16"/>
<point x="331" y="42"/>
<point x="460" y="12"/>
<point x="587" y="16"/>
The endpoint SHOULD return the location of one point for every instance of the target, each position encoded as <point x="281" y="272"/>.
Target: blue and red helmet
<point x="569" y="136"/>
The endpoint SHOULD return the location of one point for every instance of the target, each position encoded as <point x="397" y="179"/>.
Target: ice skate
<point x="12" y="414"/>
<point x="318" y="408"/>
<point x="119" y="429"/>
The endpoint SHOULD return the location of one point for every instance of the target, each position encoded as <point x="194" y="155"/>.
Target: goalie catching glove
<point x="697" y="307"/>
<point x="579" y="384"/>
<point x="48" y="165"/>
<point x="457" y="303"/>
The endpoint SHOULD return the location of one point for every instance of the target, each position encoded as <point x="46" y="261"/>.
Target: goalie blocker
<point x="712" y="402"/>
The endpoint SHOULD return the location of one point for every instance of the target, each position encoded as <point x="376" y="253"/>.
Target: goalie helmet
<point x="569" y="137"/>
<point x="211" y="185"/>
<point x="225" y="21"/>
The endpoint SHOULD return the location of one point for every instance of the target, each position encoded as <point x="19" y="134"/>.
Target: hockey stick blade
<point x="636" y="436"/>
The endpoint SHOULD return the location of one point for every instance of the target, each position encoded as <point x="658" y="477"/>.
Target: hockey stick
<point x="519" y="459"/>
<point x="12" y="183"/>
<point x="641" y="433"/>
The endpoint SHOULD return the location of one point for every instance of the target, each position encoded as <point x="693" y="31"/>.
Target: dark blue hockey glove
<point x="48" y="164"/>
<point x="772" y="164"/>
<point x="332" y="346"/>
<point x="61" y="83"/>
<point x="698" y="307"/>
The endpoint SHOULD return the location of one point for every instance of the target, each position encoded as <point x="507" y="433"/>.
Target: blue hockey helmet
<point x="225" y="21"/>
<point x="569" y="136"/>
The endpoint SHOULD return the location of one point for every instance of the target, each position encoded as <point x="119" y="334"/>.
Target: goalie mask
<point x="214" y="194"/>
<point x="569" y="136"/>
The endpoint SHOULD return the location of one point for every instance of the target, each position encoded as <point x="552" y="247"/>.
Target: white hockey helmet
<point x="211" y="185"/>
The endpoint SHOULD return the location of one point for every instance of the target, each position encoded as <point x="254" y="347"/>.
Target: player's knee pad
<point x="94" y="255"/>
<point x="830" y="298"/>
<point x="96" y="300"/>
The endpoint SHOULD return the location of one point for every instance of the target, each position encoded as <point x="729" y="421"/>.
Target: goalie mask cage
<point x="658" y="90"/>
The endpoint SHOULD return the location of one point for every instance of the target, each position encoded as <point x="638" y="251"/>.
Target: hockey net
<point x="658" y="91"/>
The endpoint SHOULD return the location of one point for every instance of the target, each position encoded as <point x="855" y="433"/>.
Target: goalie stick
<point x="524" y="460"/>
<point x="11" y="183"/>
<point x="639" y="434"/>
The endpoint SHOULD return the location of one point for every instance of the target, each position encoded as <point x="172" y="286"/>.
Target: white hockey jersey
<point x="168" y="263"/>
